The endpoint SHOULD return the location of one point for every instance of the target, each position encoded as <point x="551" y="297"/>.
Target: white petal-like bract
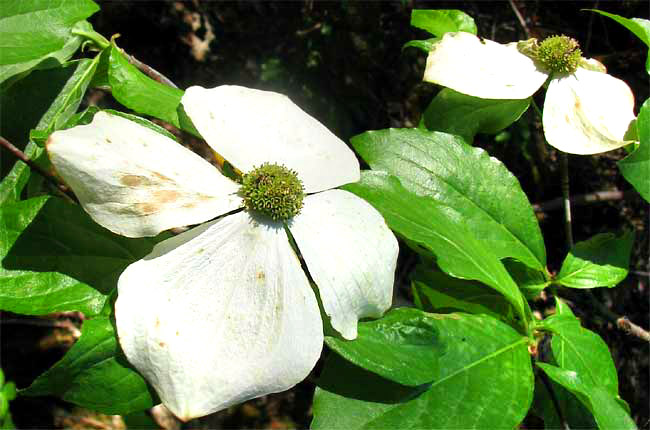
<point x="249" y="127"/>
<point x="135" y="181"/>
<point x="350" y="253"/>
<point x="482" y="68"/>
<point x="218" y="315"/>
<point x="587" y="112"/>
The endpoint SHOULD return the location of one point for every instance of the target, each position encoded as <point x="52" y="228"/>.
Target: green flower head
<point x="274" y="191"/>
<point x="559" y="54"/>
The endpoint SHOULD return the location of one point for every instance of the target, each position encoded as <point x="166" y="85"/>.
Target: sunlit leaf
<point x="484" y="366"/>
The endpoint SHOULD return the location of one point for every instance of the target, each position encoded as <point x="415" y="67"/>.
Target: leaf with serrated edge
<point x="471" y="349"/>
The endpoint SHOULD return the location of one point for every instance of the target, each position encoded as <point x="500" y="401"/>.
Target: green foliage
<point x="439" y="229"/>
<point x="601" y="261"/>
<point x="39" y="34"/>
<point x="456" y="113"/>
<point x="7" y="394"/>
<point x="95" y="374"/>
<point x="464" y="178"/>
<point x="139" y="92"/>
<point x="469" y="348"/>
<point x="403" y="347"/>
<point x="608" y="411"/>
<point x="434" y="291"/>
<point x="55" y="258"/>
<point x="636" y="166"/>
<point x="439" y="22"/>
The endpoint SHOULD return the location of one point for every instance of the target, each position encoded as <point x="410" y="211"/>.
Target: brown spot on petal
<point x="146" y="208"/>
<point x="567" y="119"/>
<point x="161" y="177"/>
<point x="165" y="196"/>
<point x="261" y="276"/>
<point x="133" y="180"/>
<point x="577" y="105"/>
<point x="162" y="344"/>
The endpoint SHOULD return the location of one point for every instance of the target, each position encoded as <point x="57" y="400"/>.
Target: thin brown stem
<point x="150" y="71"/>
<point x="38" y="169"/>
<point x="520" y="18"/>
<point x="568" y="228"/>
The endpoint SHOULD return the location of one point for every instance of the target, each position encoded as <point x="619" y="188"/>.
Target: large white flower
<point x="224" y="312"/>
<point x="586" y="111"/>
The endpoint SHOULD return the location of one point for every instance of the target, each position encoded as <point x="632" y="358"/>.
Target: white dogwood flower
<point x="224" y="312"/>
<point x="586" y="111"/>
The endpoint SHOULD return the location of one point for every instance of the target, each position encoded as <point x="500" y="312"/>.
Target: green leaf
<point x="465" y="178"/>
<point x="531" y="282"/>
<point x="42" y="102"/>
<point x="576" y="414"/>
<point x="437" y="292"/>
<point x="402" y="346"/>
<point x="601" y="261"/>
<point x="456" y="113"/>
<point x="636" y="166"/>
<point x="640" y="27"/>
<point x="485" y="381"/>
<point x="55" y="258"/>
<point x="439" y="22"/>
<point x="139" y="92"/>
<point x="424" y="45"/>
<point x="38" y="34"/>
<point x="582" y="351"/>
<point x="439" y="228"/>
<point x="607" y="409"/>
<point x="95" y="374"/>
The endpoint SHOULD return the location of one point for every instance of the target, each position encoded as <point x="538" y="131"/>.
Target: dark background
<point x="343" y="63"/>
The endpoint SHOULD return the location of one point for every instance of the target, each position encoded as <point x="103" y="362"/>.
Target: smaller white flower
<point x="586" y="111"/>
<point x="224" y="312"/>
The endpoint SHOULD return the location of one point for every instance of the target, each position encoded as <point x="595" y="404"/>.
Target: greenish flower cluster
<point x="274" y="191"/>
<point x="559" y="54"/>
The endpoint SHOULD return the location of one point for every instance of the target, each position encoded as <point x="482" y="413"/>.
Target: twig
<point x="149" y="71"/>
<point x="620" y="321"/>
<point x="584" y="199"/>
<point x="564" y="167"/>
<point x="38" y="169"/>
<point x="630" y="328"/>
<point x="520" y="18"/>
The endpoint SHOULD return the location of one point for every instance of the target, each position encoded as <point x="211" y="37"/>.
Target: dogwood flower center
<point x="274" y="191"/>
<point x="559" y="54"/>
